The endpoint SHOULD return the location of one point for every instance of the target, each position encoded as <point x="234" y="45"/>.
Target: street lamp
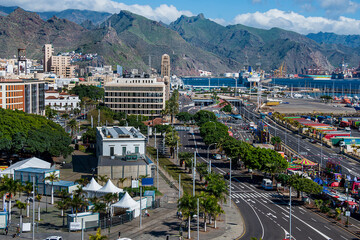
<point x="209" y="160"/>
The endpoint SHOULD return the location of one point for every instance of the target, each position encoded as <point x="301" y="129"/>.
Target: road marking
<point x="343" y="237"/>
<point x="327" y="227"/>
<point x="314" y="220"/>
<point x="262" y="227"/>
<point x="298" y="229"/>
<point x="310" y="238"/>
<point x="284" y="219"/>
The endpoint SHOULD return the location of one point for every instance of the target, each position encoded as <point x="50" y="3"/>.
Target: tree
<point x="185" y="158"/>
<point x="73" y="126"/>
<point x="227" y="108"/>
<point x="38" y="198"/>
<point x="184" y="117"/>
<point x="52" y="177"/>
<point x="212" y="132"/>
<point x="89" y="136"/>
<point x="11" y="187"/>
<point x="21" y="206"/>
<point x="102" y="178"/>
<point x="276" y="141"/>
<point x="207" y="204"/>
<point x="202" y="169"/>
<point x="97" y="236"/>
<point x="63" y="205"/>
<point x="77" y="203"/>
<point x="121" y="181"/>
<point x="99" y="207"/>
<point x="82" y="181"/>
<point x="204" y="116"/>
<point x="301" y="184"/>
<point x="172" y="140"/>
<point x="172" y="105"/>
<point x="49" y="112"/>
<point x="28" y="188"/>
<point x="108" y="199"/>
<point x="187" y="205"/>
<point x="216" y="186"/>
<point x="92" y="92"/>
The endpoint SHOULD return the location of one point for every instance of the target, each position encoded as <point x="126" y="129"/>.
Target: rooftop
<point x="117" y="161"/>
<point x="120" y="133"/>
<point x="36" y="170"/>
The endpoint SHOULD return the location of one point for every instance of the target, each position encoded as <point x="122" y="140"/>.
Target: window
<point x="123" y="151"/>
<point x="111" y="151"/>
<point x="136" y="149"/>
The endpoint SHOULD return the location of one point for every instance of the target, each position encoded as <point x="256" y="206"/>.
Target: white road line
<point x="284" y="219"/>
<point x="298" y="229"/>
<point x="343" y="237"/>
<point x="262" y="227"/>
<point x="313" y="220"/>
<point x="310" y="238"/>
<point x="327" y="227"/>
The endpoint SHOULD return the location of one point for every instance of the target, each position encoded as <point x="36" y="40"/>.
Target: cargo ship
<point x="316" y="77"/>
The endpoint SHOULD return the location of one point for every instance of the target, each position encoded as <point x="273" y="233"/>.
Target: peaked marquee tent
<point x="128" y="203"/>
<point x="109" y="187"/>
<point x="92" y="187"/>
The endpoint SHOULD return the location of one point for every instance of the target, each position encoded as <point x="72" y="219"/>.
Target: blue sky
<point x="303" y="16"/>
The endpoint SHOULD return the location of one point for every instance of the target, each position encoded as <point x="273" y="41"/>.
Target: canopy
<point x="318" y="181"/>
<point x="33" y="162"/>
<point x="351" y="202"/>
<point x="109" y="188"/>
<point x="305" y="162"/>
<point x="127" y="202"/>
<point x="92" y="186"/>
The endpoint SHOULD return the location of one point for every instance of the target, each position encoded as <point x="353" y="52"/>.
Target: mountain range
<point x="193" y="43"/>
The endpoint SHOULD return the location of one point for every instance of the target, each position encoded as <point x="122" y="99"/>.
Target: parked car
<point x="312" y="140"/>
<point x="348" y="129"/>
<point x="53" y="238"/>
<point x="217" y="156"/>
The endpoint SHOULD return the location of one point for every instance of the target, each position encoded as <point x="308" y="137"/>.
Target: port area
<point x="303" y="106"/>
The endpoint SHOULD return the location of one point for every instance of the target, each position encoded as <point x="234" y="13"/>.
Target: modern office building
<point x="143" y="96"/>
<point x="24" y="95"/>
<point x="60" y="65"/>
<point x="121" y="153"/>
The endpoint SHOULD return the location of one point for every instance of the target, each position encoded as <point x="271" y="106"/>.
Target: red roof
<point x="51" y="91"/>
<point x="64" y="93"/>
<point x="51" y="97"/>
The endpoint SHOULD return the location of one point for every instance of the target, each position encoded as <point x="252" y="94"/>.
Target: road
<point x="313" y="152"/>
<point x="265" y="213"/>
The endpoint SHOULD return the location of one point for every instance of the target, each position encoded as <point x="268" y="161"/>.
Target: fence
<point x="109" y="221"/>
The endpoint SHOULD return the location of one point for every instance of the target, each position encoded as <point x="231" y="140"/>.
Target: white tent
<point x="92" y="187"/>
<point x="33" y="162"/>
<point x="128" y="203"/>
<point x="109" y="187"/>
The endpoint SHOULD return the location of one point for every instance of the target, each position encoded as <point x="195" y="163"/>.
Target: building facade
<point x="61" y="101"/>
<point x="60" y="65"/>
<point x="121" y="152"/>
<point x="145" y="96"/>
<point x="24" y="95"/>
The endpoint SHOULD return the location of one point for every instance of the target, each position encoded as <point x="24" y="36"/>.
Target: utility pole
<point x="194" y="174"/>
<point x="198" y="233"/>
<point x="230" y="184"/>
<point x="157" y="169"/>
<point x="140" y="207"/>
<point x="290" y="213"/>
<point x="155" y="139"/>
<point x="33" y="220"/>
<point x="179" y="185"/>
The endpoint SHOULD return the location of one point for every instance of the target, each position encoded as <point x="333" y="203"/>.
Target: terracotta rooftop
<point x="51" y="97"/>
<point x="51" y="91"/>
<point x="156" y="121"/>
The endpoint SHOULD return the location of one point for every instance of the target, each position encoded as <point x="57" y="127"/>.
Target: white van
<point x="267" y="184"/>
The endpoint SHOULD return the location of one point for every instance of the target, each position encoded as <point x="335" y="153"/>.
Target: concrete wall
<point x="116" y="172"/>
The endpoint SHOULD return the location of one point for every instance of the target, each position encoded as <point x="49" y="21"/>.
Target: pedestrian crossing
<point x="245" y="195"/>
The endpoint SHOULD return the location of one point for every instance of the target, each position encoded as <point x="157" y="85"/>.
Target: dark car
<point x="227" y="175"/>
<point x="312" y="140"/>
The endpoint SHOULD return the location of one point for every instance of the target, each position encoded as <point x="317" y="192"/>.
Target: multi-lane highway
<point x="314" y="152"/>
<point x="265" y="213"/>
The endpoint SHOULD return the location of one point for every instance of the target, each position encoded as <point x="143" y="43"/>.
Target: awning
<point x="305" y="162"/>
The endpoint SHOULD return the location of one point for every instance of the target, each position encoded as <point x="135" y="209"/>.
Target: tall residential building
<point x="24" y="95"/>
<point x="145" y="96"/>
<point x="60" y="65"/>
<point x="48" y="52"/>
<point x="165" y="73"/>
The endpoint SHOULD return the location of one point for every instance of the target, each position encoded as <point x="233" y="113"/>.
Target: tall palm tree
<point x="99" y="207"/>
<point x="97" y="236"/>
<point x="11" y="187"/>
<point x="82" y="181"/>
<point x="73" y="125"/>
<point x="216" y="211"/>
<point x="121" y="181"/>
<point x="207" y="203"/>
<point x="21" y="206"/>
<point x="28" y="188"/>
<point x="217" y="186"/>
<point x="63" y="205"/>
<point x="77" y="203"/>
<point x="38" y="198"/>
<point x="108" y="199"/>
<point x="187" y="205"/>
<point x="52" y="177"/>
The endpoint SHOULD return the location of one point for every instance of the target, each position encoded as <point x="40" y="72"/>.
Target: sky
<point x="303" y="16"/>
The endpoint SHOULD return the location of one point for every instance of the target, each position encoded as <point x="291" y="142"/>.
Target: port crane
<point x="281" y="72"/>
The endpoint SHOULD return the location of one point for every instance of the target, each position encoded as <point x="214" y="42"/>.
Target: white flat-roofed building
<point x="142" y="96"/>
<point x="121" y="152"/>
<point x="61" y="101"/>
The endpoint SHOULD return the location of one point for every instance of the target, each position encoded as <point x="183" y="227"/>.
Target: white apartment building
<point x="61" y="101"/>
<point x="142" y="96"/>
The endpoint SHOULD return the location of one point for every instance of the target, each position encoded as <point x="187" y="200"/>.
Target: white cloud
<point x="336" y="7"/>
<point x="220" y="21"/>
<point x="299" y="23"/>
<point x="165" y="13"/>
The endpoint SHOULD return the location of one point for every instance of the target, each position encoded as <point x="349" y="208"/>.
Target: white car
<point x="53" y="238"/>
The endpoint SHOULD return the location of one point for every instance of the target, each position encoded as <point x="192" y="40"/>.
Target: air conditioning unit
<point x="112" y="157"/>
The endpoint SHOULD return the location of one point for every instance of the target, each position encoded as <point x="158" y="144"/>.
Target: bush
<point x="324" y="209"/>
<point x="82" y="148"/>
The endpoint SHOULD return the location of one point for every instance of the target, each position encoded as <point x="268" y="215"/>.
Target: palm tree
<point x="108" y="199"/>
<point x="216" y="211"/>
<point x="172" y="140"/>
<point x="52" y="177"/>
<point x="73" y="125"/>
<point x="103" y="178"/>
<point x="11" y="187"/>
<point x="28" y="188"/>
<point x="82" y="181"/>
<point x="77" y="203"/>
<point x="121" y="181"/>
<point x="79" y="191"/>
<point x="97" y="236"/>
<point x="21" y="206"/>
<point x="207" y="203"/>
<point x="201" y="168"/>
<point x="63" y="205"/>
<point x="217" y="186"/>
<point x="99" y="207"/>
<point x="187" y="205"/>
<point x="38" y="198"/>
